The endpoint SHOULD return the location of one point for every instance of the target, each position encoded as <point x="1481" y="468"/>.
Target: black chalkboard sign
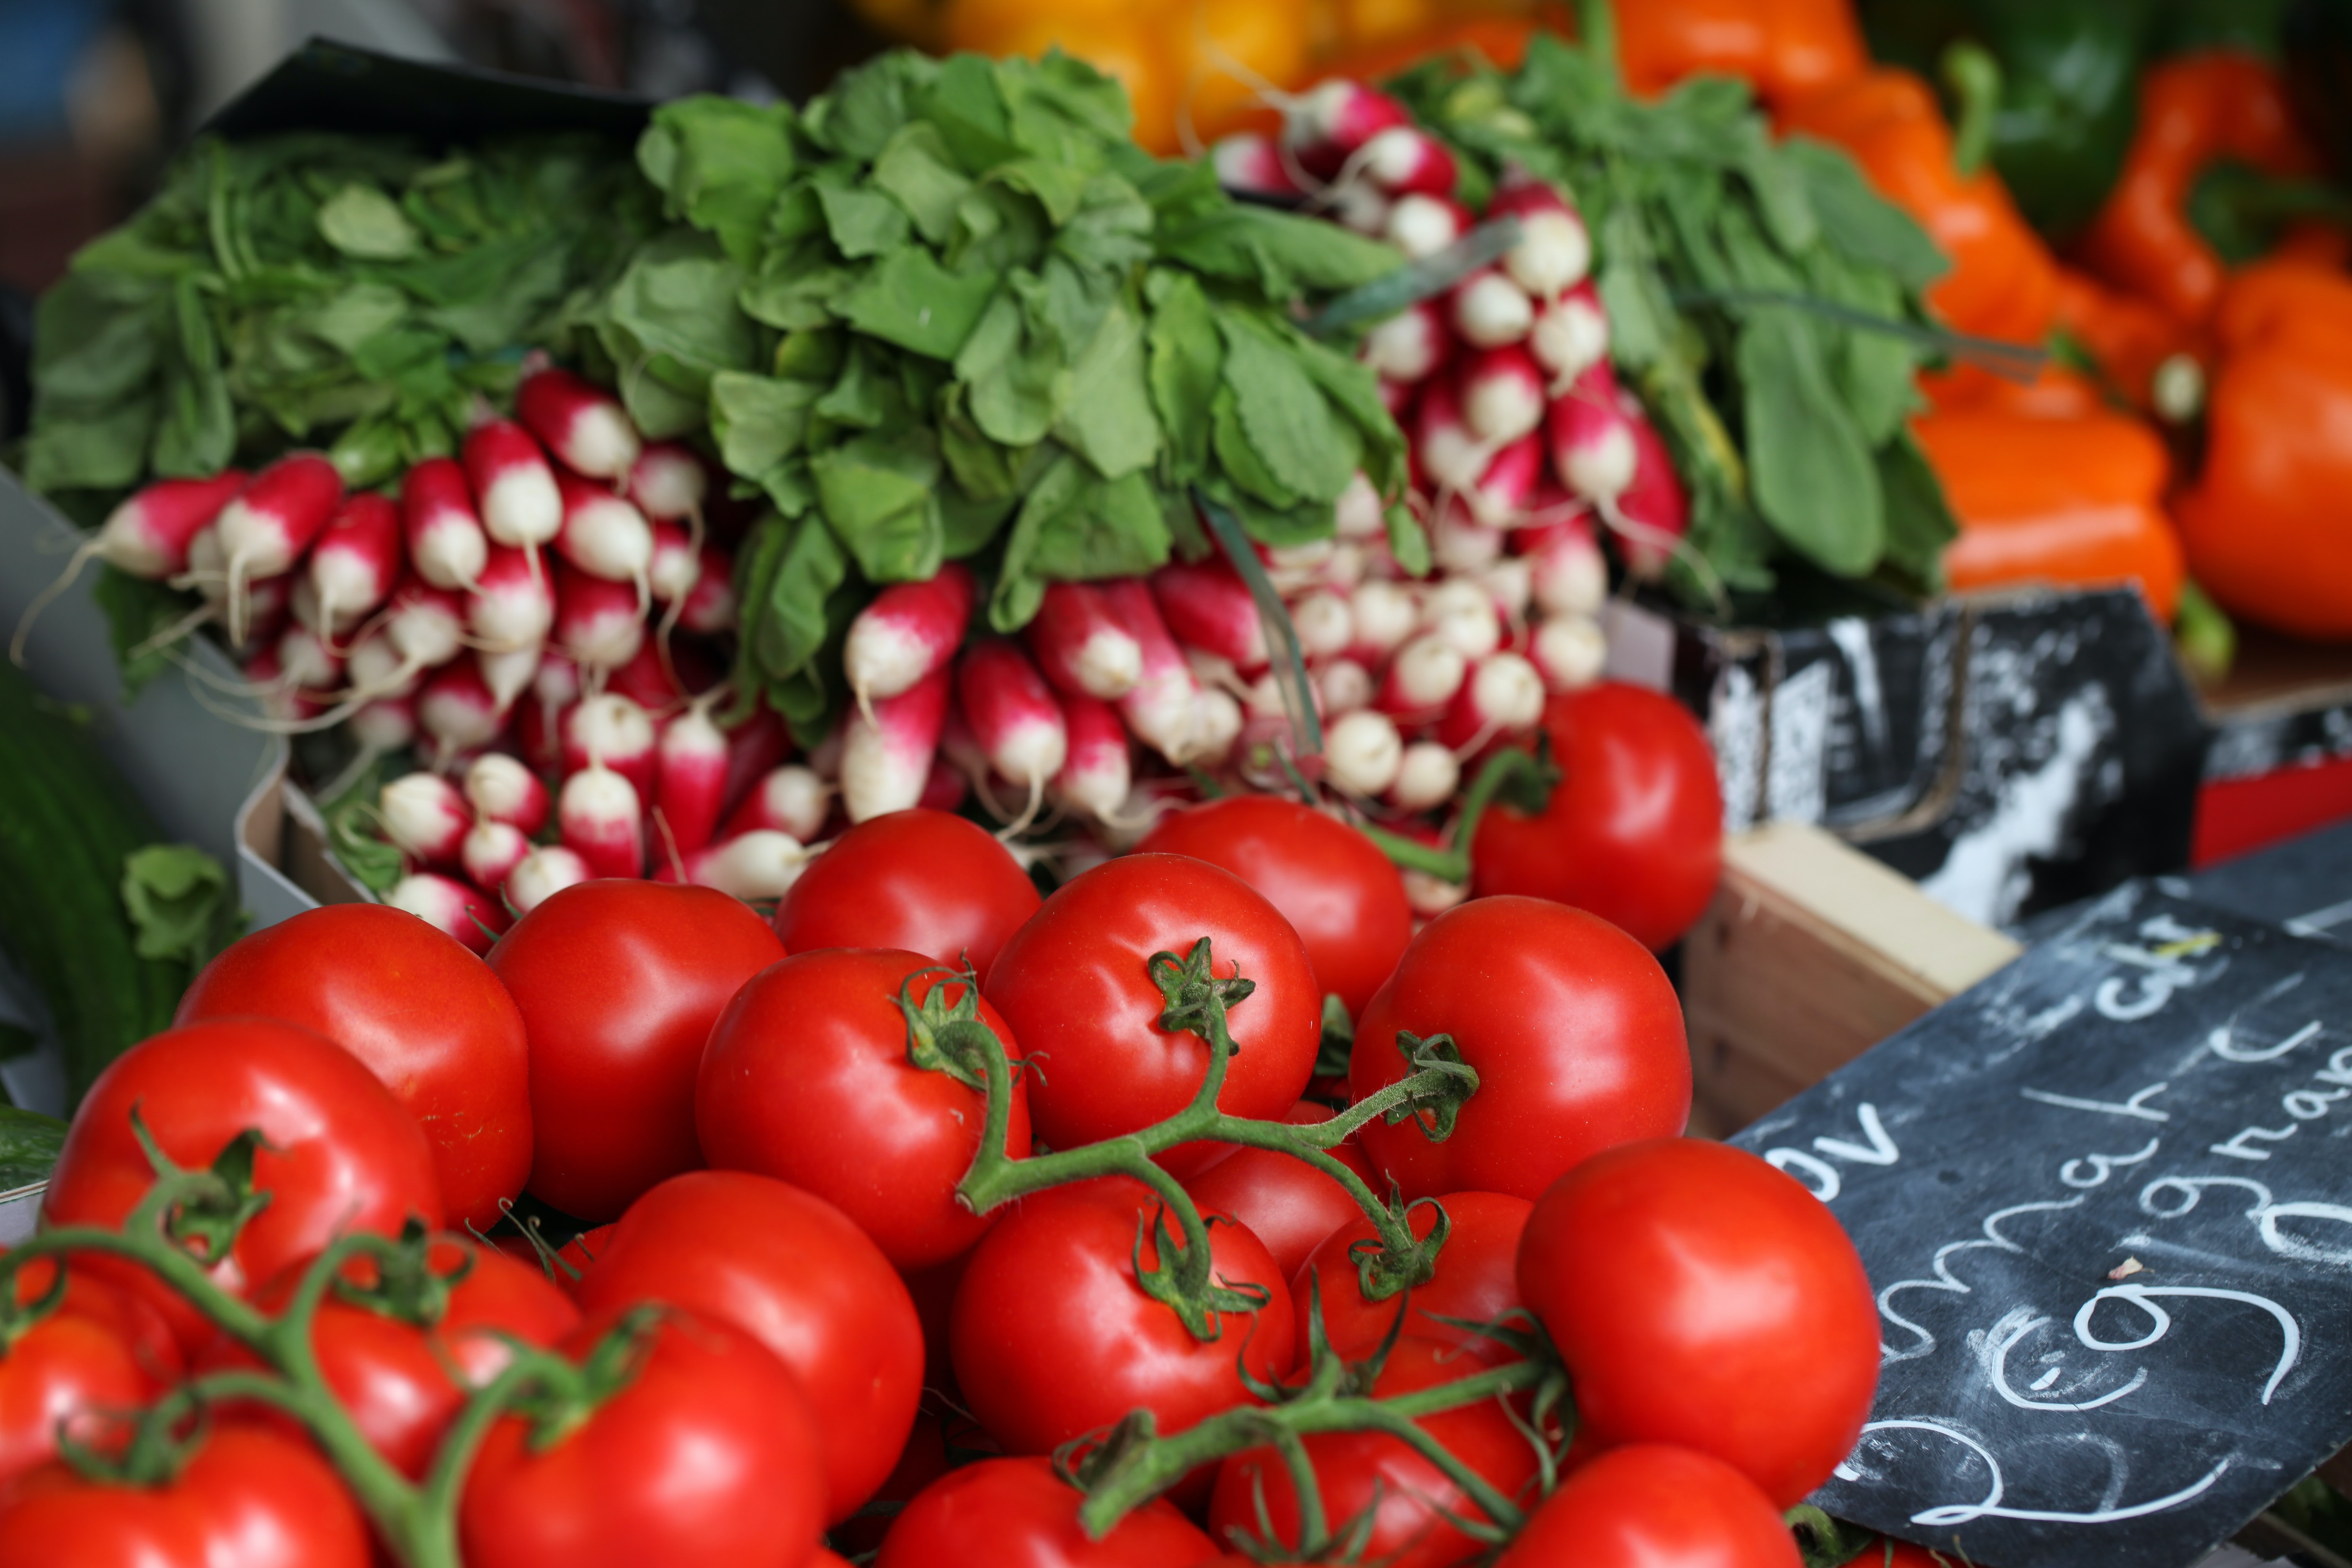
<point x="2106" y="1200"/>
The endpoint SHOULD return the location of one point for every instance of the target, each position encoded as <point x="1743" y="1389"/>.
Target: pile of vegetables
<point x="642" y="1238"/>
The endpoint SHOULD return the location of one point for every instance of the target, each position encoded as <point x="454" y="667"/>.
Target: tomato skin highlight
<point x="1362" y="1470"/>
<point x="1652" y="1506"/>
<point x="806" y="1079"/>
<point x="921" y="880"/>
<point x="337" y="1151"/>
<point x="1335" y="888"/>
<point x="1284" y="1202"/>
<point x="1633" y="831"/>
<point x="393" y="1378"/>
<point x="1754" y="1336"/>
<point x="1052" y="1337"/>
<point x="708" y="1456"/>
<point x="247" y="1499"/>
<point x="1575" y="1031"/>
<point x="424" y="1015"/>
<point x="1016" y="1513"/>
<point x="1476" y="1278"/>
<point x="1076" y="984"/>
<point x="619" y="983"/>
<point x="97" y="1351"/>
<point x="791" y="1270"/>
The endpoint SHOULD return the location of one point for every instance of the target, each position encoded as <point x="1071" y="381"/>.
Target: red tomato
<point x="1053" y="1337"/>
<point x="1634" y="828"/>
<point x="921" y="881"/>
<point x="425" y="1015"/>
<point x="1410" y="1498"/>
<point x="1703" y="1299"/>
<point x="338" y="1152"/>
<point x="1016" y="1513"/>
<point x="708" y="1455"/>
<point x="1575" y="1031"/>
<point x="1287" y="1203"/>
<point x="1651" y="1506"/>
<point x="619" y="983"/>
<point x="1338" y="891"/>
<point x="397" y="1381"/>
<point x="806" y="1079"/>
<point x="1477" y="1277"/>
<point x="247" y="1498"/>
<point x="1076" y="984"/>
<point x="791" y="1270"/>
<point x="97" y="1350"/>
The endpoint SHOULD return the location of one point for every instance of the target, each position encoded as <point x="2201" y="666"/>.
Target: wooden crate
<point x="1812" y="953"/>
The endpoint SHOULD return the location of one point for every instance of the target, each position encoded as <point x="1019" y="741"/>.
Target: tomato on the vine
<point x="1575" y="1032"/>
<point x="806" y="1079"/>
<point x="1633" y="830"/>
<point x="790" y="1269"/>
<point x="1287" y="1203"/>
<point x="705" y="1452"/>
<point x="247" y="1498"/>
<point x="1017" y="1513"/>
<point x="1410" y="1502"/>
<point x="424" y="1015"/>
<point x="1053" y="1337"/>
<point x="1476" y="1278"/>
<point x="919" y="880"/>
<point x="1335" y="888"/>
<point x="619" y="983"/>
<point x="1701" y="1297"/>
<point x="96" y="1351"/>
<point x="402" y="1385"/>
<point x="1652" y="1506"/>
<point x="1076" y="984"/>
<point x="337" y="1153"/>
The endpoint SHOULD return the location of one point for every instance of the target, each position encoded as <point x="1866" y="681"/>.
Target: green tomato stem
<point x="1507" y="769"/>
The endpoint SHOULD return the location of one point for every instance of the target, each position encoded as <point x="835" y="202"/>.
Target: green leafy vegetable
<point x="180" y="904"/>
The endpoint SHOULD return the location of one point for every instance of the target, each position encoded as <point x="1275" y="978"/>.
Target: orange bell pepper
<point x="2264" y="523"/>
<point x="2065" y="501"/>
<point x="1784" y="48"/>
<point x="2003" y="282"/>
<point x="2194" y="112"/>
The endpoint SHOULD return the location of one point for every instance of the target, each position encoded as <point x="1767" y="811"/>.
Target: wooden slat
<point x="1812" y="953"/>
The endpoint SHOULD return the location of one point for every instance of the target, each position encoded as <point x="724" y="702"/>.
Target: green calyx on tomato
<point x="564" y="1396"/>
<point x="218" y="1203"/>
<point x="1196" y="999"/>
<point x="1134" y="1463"/>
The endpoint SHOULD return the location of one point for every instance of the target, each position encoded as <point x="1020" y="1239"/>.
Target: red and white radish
<point x="501" y="789"/>
<point x="1569" y="576"/>
<point x="520" y="506"/>
<point x="1358" y="514"/>
<point x="908" y="631"/>
<point x="1216" y="723"/>
<point x="604" y="536"/>
<point x="1361" y="752"/>
<point x="1423" y="224"/>
<point x="1554" y="252"/>
<point x="584" y="427"/>
<point x="1502" y="394"/>
<point x="1510" y="584"/>
<point x="1503" y="492"/>
<point x="756" y="866"/>
<point x="886" y="755"/>
<point x="1410" y="345"/>
<point x="1486" y="310"/>
<point x="690" y="779"/>
<point x="1459" y="543"/>
<point x="1325" y="625"/>
<point x="355" y="564"/>
<point x="513" y="606"/>
<point x="1012" y="714"/>
<point x="1427" y="775"/>
<point x="1461" y="614"/>
<point x="492" y="850"/>
<point x="1385" y="615"/>
<point x="458" y="711"/>
<point x="1098" y="772"/>
<point x="1327" y="124"/>
<point x="710" y="605"/>
<point x="612" y="729"/>
<point x="424" y="818"/>
<point x="1571" y="650"/>
<point x="790" y="799"/>
<point x="1449" y="456"/>
<point x="1208" y="606"/>
<point x="667" y="482"/>
<point x="1343" y="686"/>
<point x="547" y="870"/>
<point x="1503" y="695"/>
<point x="445" y="538"/>
<point x="264" y="530"/>
<point x="602" y="819"/>
<point x="1250" y="162"/>
<point x="1654" y="511"/>
<point x="677" y="565"/>
<point x="1079" y="643"/>
<point x="1405" y="161"/>
<point x="599" y="624"/>
<point x="1158" y="708"/>
<point x="147" y="536"/>
<point x="1570" y="335"/>
<point x="1423" y="677"/>
<point x="1591" y="437"/>
<point x="451" y="908"/>
<point x="1359" y="205"/>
